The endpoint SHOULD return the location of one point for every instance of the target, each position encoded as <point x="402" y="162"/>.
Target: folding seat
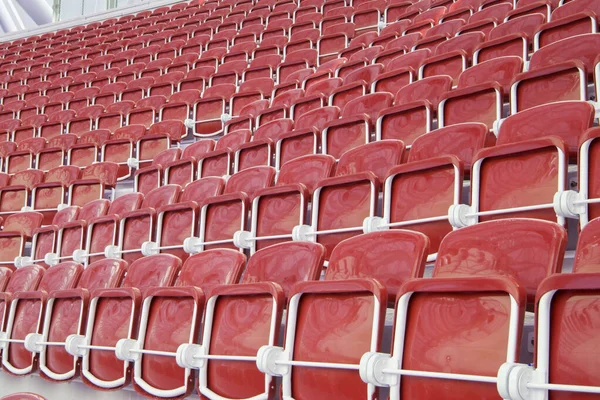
<point x="129" y="72"/>
<point x="309" y="363"/>
<point x="26" y="312"/>
<point x="259" y="298"/>
<point x="250" y="91"/>
<point x="99" y="366"/>
<point x="176" y="222"/>
<point x="47" y="196"/>
<point x="151" y="177"/>
<point x="262" y="67"/>
<point x="30" y="128"/>
<point x="355" y="127"/>
<point x="442" y="156"/>
<point x="480" y="93"/>
<point x="86" y="151"/>
<point x="183" y="171"/>
<point x="196" y="79"/>
<point x="85" y="120"/>
<point x="305" y="138"/>
<point x="452" y="57"/>
<point x="16" y="233"/>
<point x="512" y="38"/>
<point x="146" y="111"/>
<point x="413" y="60"/>
<point x="137" y="227"/>
<point x="219" y="162"/>
<point x="54" y="154"/>
<point x="494" y="298"/>
<point x="57" y="101"/>
<point x="83" y="98"/>
<point x="225" y="267"/>
<point x="335" y="38"/>
<point x="247" y="117"/>
<point x="120" y="147"/>
<point x="290" y="197"/>
<point x="377" y="157"/>
<point x="110" y="93"/>
<point x="221" y="216"/>
<point x="415" y="105"/>
<point x="82" y="81"/>
<point x="24" y="157"/>
<point x="160" y="136"/>
<point x="557" y="72"/>
<point x="279" y="107"/>
<point x="166" y="84"/>
<point x="209" y="110"/>
<point x="544" y="157"/>
<point x="95" y="179"/>
<point x="570" y="19"/>
<point x="260" y="150"/>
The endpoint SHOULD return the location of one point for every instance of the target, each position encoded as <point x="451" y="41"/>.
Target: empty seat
<point x="17" y="231"/>
<point x="27" y="317"/>
<point x="120" y="307"/>
<point x="290" y="197"/>
<point x="492" y="325"/>
<point x="64" y="318"/>
<point x="392" y="258"/>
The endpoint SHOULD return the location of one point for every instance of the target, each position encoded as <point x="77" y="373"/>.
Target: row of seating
<point x="328" y="310"/>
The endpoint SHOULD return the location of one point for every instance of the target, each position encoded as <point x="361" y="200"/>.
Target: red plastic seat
<point x="151" y="177"/>
<point x="15" y="195"/>
<point x="557" y="72"/>
<point x="95" y="179"/>
<point x="480" y="94"/>
<point x="497" y="300"/>
<point x="377" y="157"/>
<point x="18" y="229"/>
<point x="204" y="270"/>
<point x="356" y="123"/>
<point x="26" y="312"/>
<point x="183" y="171"/>
<point x="415" y="105"/>
<point x="260" y="150"/>
<point x="219" y="162"/>
<point x="296" y="182"/>
<point x="209" y="110"/>
<point x="250" y="91"/>
<point x="324" y="314"/>
<point x="222" y="216"/>
<point x="120" y="147"/>
<point x="137" y="227"/>
<point x="104" y="231"/>
<point x="63" y="307"/>
<point x="570" y="19"/>
<point x="101" y="368"/>
<point x="545" y="240"/>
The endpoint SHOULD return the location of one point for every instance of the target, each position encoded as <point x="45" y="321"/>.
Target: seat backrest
<point x="587" y="256"/>
<point x="125" y="203"/>
<point x="584" y="48"/>
<point x="107" y="273"/>
<point x="377" y="157"/>
<point x="94" y="209"/>
<point x="156" y="270"/>
<point x="65" y="174"/>
<point x="23" y="223"/>
<point x="105" y="172"/>
<point x="317" y="118"/>
<point x="25" y="279"/>
<point x="460" y="140"/>
<point x="274" y="129"/>
<point x="61" y="276"/>
<point x="286" y="263"/>
<point x="131" y="132"/>
<point x="573" y="7"/>
<point x="174" y="129"/>
<point x="160" y="196"/>
<point x="391" y="257"/>
<point x="528" y="250"/>
<point x="250" y="180"/>
<point x="566" y="119"/>
<point x="430" y="89"/>
<point x="307" y="170"/>
<point x="28" y="178"/>
<point x="501" y="70"/>
<point x="202" y="189"/>
<point x="212" y="267"/>
<point x="526" y="24"/>
<point x="199" y="148"/>
<point x="234" y="140"/>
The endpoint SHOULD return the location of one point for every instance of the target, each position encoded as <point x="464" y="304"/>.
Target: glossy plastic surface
<point x="391" y="257"/>
<point x="528" y="250"/>
<point x="286" y="264"/>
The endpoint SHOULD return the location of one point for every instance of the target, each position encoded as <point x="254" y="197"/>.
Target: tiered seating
<point x="195" y="168"/>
